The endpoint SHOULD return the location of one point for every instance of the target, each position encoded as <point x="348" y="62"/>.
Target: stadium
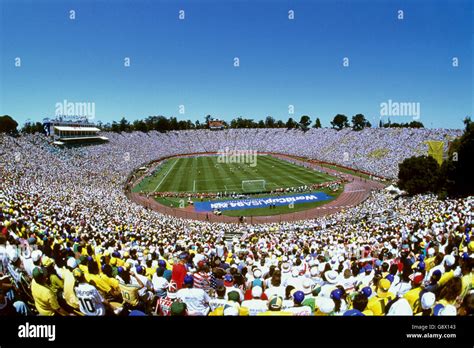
<point x="182" y="160"/>
<point x="83" y="213"/>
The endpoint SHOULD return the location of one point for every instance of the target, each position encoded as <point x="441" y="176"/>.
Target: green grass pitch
<point x="204" y="174"/>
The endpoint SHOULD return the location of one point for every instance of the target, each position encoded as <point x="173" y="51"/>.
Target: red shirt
<point x="178" y="273"/>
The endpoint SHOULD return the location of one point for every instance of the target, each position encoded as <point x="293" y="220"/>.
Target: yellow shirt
<point x="377" y="304"/>
<point x="429" y="263"/>
<point x="413" y="298"/>
<point x="149" y="272"/>
<point x="46" y="301"/>
<point x="445" y="278"/>
<point x="100" y="283"/>
<point x="467" y="284"/>
<point x="69" y="294"/>
<point x="129" y="293"/>
<point x="112" y="282"/>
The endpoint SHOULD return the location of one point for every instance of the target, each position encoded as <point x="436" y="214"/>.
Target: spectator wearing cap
<point x="179" y="271"/>
<point x="413" y="296"/>
<point x="383" y="296"/>
<point x="324" y="306"/>
<point x="230" y="285"/>
<point x="338" y="295"/>
<point x="46" y="301"/>
<point x="298" y="309"/>
<point x="55" y="282"/>
<point x="160" y="284"/>
<point x="163" y="304"/>
<point x="196" y="300"/>
<point x="275" y="304"/>
<point x="219" y="300"/>
<point x="178" y="309"/>
<point x="256" y="305"/>
<point x="432" y="284"/>
<point x="232" y="306"/>
<point x="69" y="283"/>
<point x="428" y="300"/>
<point x="330" y="281"/>
<point x="449" y="265"/>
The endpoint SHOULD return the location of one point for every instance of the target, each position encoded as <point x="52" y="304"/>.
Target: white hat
<point x="307" y="286"/>
<point x="36" y="255"/>
<point x="331" y="276"/>
<point x="257" y="273"/>
<point x="313" y="271"/>
<point x="71" y="263"/>
<point x="449" y="260"/>
<point x="295" y="272"/>
<point x="431" y="251"/>
<point x="285" y="268"/>
<point x="325" y="305"/>
<point x="400" y="307"/>
<point x="427" y="300"/>
<point x="257" y="291"/>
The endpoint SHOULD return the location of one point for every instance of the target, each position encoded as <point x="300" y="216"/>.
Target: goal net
<point x="253" y="186"/>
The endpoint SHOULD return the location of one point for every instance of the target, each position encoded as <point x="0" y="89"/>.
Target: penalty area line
<point x="169" y="170"/>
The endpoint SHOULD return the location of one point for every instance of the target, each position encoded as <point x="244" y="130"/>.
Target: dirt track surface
<point x="356" y="190"/>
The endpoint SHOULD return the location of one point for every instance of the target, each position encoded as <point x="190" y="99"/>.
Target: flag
<point x="435" y="150"/>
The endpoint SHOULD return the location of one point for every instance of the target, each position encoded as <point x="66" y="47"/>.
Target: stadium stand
<point x="72" y="243"/>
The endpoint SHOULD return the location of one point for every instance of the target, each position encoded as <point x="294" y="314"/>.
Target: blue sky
<point x="282" y="62"/>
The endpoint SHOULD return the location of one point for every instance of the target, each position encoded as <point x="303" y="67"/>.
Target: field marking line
<point x="296" y="179"/>
<point x="194" y="186"/>
<point x="354" y="191"/>
<point x="169" y="170"/>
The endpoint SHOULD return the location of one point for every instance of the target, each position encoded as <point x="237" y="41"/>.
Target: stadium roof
<point x="77" y="129"/>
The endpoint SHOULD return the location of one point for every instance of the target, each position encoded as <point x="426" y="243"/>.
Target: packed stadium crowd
<point x="71" y="243"/>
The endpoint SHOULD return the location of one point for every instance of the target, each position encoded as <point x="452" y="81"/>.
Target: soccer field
<point x="204" y="174"/>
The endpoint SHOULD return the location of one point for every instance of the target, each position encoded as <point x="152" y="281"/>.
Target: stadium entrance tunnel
<point x="226" y="207"/>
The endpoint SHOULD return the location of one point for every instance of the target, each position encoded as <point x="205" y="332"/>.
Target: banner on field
<point x="261" y="202"/>
<point x="435" y="150"/>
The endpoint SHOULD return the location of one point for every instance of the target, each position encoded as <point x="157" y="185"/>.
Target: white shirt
<point x="159" y="283"/>
<point x="278" y="290"/>
<point x="255" y="306"/>
<point x="90" y="301"/>
<point x="197" y="300"/>
<point x="300" y="311"/>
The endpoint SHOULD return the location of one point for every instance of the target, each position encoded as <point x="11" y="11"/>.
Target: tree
<point x="339" y="122"/>
<point x="304" y="123"/>
<point x="290" y="124"/>
<point x="140" y="126"/>
<point x="419" y="175"/>
<point x="124" y="125"/>
<point x="8" y="125"/>
<point x="280" y="124"/>
<point x="359" y="122"/>
<point x="270" y="122"/>
<point x="261" y="124"/>
<point x="456" y="171"/>
<point x="317" y="123"/>
<point x="208" y="118"/>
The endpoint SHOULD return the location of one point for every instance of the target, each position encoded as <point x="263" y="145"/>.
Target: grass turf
<point x="205" y="174"/>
